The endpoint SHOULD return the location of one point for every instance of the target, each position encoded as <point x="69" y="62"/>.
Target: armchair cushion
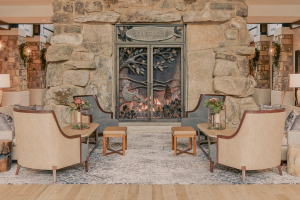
<point x="272" y="107"/>
<point x="296" y="124"/>
<point x="103" y="123"/>
<point x="290" y="120"/>
<point x="18" y="106"/>
<point x="213" y="152"/>
<point x="5" y="122"/>
<point x="284" y="141"/>
<point x="84" y="152"/>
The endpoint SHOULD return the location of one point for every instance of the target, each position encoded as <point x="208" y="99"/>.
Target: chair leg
<point x="211" y="165"/>
<point x="54" y="174"/>
<point x="86" y="164"/>
<point x="244" y="174"/>
<point x="190" y="142"/>
<point x="195" y="145"/>
<point x="126" y="141"/>
<point x="175" y="145"/>
<point x="104" y="145"/>
<point x="279" y="169"/>
<point x="108" y="143"/>
<point x="172" y="142"/>
<point x="18" y="169"/>
<point x="124" y="145"/>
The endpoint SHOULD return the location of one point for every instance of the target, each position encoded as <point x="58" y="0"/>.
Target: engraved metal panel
<point x="149" y="34"/>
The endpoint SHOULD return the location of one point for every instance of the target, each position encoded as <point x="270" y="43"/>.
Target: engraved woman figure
<point x="129" y="96"/>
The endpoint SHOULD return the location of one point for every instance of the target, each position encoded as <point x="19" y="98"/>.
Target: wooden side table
<point x="85" y="134"/>
<point x="212" y="135"/>
<point x="5" y="155"/>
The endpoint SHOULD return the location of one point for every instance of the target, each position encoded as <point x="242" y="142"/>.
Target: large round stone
<point x="235" y="86"/>
<point x="78" y="78"/>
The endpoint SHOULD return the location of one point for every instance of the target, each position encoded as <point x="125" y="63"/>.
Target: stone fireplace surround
<point x="81" y="57"/>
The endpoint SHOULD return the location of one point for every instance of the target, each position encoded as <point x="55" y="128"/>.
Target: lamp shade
<point x="4" y="81"/>
<point x="295" y="80"/>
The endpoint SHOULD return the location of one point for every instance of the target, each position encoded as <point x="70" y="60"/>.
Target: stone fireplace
<point x="85" y="55"/>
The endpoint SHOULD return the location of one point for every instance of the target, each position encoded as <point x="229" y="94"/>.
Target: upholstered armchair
<point x="43" y="145"/>
<point x="255" y="145"/>
<point x="103" y="118"/>
<point x="200" y="113"/>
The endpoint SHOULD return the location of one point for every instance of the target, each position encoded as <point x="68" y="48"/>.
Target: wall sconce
<point x="29" y="53"/>
<point x="272" y="51"/>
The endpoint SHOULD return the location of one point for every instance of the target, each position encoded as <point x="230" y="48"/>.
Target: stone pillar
<point x="36" y="74"/>
<point x="262" y="73"/>
<point x="10" y="60"/>
<point x="285" y="65"/>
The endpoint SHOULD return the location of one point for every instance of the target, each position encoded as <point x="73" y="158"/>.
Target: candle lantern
<point x="78" y="119"/>
<point x="217" y="120"/>
<point x="80" y="114"/>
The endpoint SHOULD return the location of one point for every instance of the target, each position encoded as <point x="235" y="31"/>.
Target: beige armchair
<point x="255" y="145"/>
<point x="43" y="145"/>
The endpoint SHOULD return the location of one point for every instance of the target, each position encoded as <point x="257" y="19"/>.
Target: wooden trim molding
<point x="55" y="119"/>
<point x="98" y="104"/>
<point x="199" y="101"/>
<point x="247" y="112"/>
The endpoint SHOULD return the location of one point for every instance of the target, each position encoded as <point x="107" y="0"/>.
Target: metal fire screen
<point x="150" y="73"/>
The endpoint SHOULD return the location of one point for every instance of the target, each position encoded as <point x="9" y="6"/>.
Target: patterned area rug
<point x="149" y="160"/>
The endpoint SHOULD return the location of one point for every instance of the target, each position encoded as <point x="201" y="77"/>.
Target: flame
<point x="157" y="102"/>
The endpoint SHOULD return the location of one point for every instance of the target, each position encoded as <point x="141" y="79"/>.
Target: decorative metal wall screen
<point x="149" y="77"/>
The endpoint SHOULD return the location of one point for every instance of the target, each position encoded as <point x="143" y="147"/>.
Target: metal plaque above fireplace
<point x="149" y="73"/>
<point x="148" y="34"/>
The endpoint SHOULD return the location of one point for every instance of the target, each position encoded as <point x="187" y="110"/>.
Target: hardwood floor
<point x="149" y="192"/>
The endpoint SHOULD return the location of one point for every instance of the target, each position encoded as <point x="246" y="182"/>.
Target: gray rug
<point x="149" y="160"/>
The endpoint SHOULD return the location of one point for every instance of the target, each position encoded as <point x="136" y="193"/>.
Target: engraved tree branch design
<point x="135" y="59"/>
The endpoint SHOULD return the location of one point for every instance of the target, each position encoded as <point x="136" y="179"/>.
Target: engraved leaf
<point x="180" y="29"/>
<point x="168" y="49"/>
<point x="141" y="51"/>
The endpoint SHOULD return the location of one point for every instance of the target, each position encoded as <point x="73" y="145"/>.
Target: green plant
<point x="79" y="103"/>
<point x="276" y="54"/>
<point x="24" y="53"/>
<point x="76" y="126"/>
<point x="43" y="58"/>
<point x="255" y="59"/>
<point x="214" y="104"/>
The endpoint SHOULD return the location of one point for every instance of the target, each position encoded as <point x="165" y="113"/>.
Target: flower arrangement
<point x="79" y="103"/>
<point x="214" y="104"/>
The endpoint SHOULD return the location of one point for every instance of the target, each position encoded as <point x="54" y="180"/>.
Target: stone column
<point x="10" y="60"/>
<point x="285" y="65"/>
<point x="262" y="74"/>
<point x="36" y="74"/>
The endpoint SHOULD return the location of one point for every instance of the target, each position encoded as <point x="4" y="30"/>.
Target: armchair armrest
<point x="293" y="137"/>
<point x="7" y="135"/>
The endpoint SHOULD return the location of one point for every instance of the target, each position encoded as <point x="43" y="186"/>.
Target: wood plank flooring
<point x="149" y="192"/>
